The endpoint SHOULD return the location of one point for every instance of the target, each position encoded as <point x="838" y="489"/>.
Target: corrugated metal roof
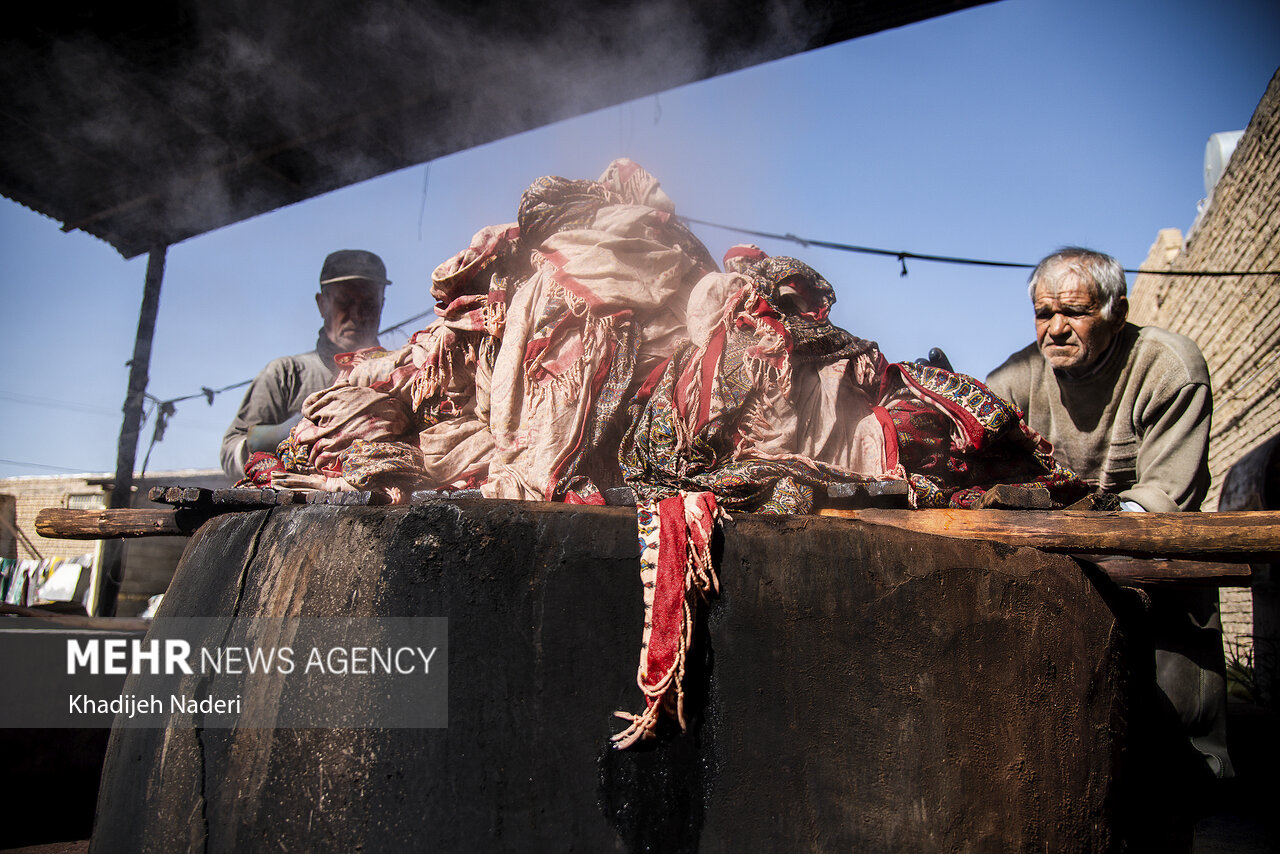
<point x="149" y="124"/>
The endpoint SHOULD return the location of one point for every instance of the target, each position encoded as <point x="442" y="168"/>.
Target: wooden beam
<point x="195" y="507"/>
<point x="78" y="621"/>
<point x="114" y="524"/>
<point x="1125" y="570"/>
<point x="1242" y="537"/>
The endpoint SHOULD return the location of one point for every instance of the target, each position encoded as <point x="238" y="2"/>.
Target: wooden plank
<point x="426" y="496"/>
<point x="1204" y="573"/>
<point x="60" y="523"/>
<point x="244" y="497"/>
<point x="1006" y="496"/>
<point x="1233" y="537"/>
<point x="869" y="489"/>
<point x="620" y="496"/>
<point x="194" y="506"/>
<point x="180" y="496"/>
<point x="78" y="621"/>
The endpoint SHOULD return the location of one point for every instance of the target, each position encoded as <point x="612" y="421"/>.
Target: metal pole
<point x="112" y="572"/>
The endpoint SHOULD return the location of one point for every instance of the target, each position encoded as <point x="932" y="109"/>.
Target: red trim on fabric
<point x="667" y="615"/>
<point x="535" y="348"/>
<point x="626" y="170"/>
<point x="700" y="534"/>
<point x="890" y="437"/>
<point x="651" y="382"/>
<point x="710" y="369"/>
<point x="569" y="352"/>
<point x="463" y="311"/>
<point x="565" y="280"/>
<point x="976" y="434"/>
<point x="743" y="250"/>
<point x="597" y="382"/>
<point x="259" y="467"/>
<point x="682" y="387"/>
<point x="594" y="498"/>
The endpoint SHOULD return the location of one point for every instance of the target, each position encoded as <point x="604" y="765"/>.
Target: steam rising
<point x="218" y="113"/>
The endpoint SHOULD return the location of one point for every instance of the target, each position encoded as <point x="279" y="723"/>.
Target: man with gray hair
<point x="1128" y="408"/>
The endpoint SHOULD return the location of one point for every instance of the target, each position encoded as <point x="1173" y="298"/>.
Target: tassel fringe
<point x="696" y="514"/>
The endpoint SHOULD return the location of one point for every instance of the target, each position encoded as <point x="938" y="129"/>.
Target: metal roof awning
<point x="147" y="123"/>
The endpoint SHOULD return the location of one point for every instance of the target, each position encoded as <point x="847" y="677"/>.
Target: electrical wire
<point x="165" y="409"/>
<point x="53" y="403"/>
<point x="40" y="466"/>
<point x="902" y="255"/>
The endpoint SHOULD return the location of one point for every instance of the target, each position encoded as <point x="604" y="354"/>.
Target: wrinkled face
<point x="1070" y="329"/>
<point x="351" y="312"/>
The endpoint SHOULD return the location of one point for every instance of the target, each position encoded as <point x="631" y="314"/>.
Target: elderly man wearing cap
<point x="352" y="282"/>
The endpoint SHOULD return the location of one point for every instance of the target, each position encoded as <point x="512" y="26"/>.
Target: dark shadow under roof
<point x="159" y="121"/>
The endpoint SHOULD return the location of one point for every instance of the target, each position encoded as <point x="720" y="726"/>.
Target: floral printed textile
<point x="775" y="403"/>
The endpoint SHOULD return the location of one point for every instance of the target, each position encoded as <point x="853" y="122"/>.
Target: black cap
<point x="347" y="264"/>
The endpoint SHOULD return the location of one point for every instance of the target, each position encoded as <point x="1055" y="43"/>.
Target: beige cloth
<point x="562" y="330"/>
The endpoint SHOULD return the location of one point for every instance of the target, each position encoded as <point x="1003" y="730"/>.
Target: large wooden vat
<point x="856" y="688"/>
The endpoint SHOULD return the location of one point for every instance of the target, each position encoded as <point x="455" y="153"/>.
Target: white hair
<point x="1103" y="271"/>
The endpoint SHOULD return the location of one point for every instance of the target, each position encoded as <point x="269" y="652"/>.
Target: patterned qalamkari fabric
<point x="769" y="403"/>
<point x="594" y="342"/>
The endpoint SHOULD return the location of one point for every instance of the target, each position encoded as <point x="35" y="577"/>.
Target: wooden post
<point x="112" y="570"/>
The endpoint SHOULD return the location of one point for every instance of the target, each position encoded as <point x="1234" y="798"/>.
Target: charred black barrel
<point x="853" y="687"/>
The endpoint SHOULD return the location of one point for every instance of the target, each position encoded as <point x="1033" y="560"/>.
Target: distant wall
<point x="149" y="561"/>
<point x="1234" y="320"/>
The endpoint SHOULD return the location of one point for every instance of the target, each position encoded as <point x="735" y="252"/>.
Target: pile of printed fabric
<point x="594" y="342"/>
<point x="768" y="402"/>
<point x="521" y="385"/>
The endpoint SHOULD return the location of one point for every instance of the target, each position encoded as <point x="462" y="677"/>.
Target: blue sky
<point x="998" y="132"/>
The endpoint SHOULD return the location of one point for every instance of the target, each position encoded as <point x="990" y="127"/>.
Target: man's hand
<point x="267" y="437"/>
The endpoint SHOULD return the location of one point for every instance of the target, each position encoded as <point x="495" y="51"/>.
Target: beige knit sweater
<point x="1138" y="426"/>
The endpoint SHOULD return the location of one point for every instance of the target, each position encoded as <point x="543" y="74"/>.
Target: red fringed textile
<point x="676" y="570"/>
<point x="257" y="472"/>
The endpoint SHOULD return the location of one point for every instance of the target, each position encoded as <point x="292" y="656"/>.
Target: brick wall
<point x="1234" y="320"/>
<point x="33" y="494"/>
<point x="149" y="561"/>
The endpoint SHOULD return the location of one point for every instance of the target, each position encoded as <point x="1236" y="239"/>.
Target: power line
<point x="210" y="393"/>
<point x="53" y="403"/>
<point x="41" y="466"/>
<point x="406" y="322"/>
<point x="903" y="255"/>
<point x="166" y="409"/>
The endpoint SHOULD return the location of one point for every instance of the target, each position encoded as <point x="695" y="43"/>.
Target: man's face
<point x="1070" y="329"/>
<point x="351" y="312"/>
